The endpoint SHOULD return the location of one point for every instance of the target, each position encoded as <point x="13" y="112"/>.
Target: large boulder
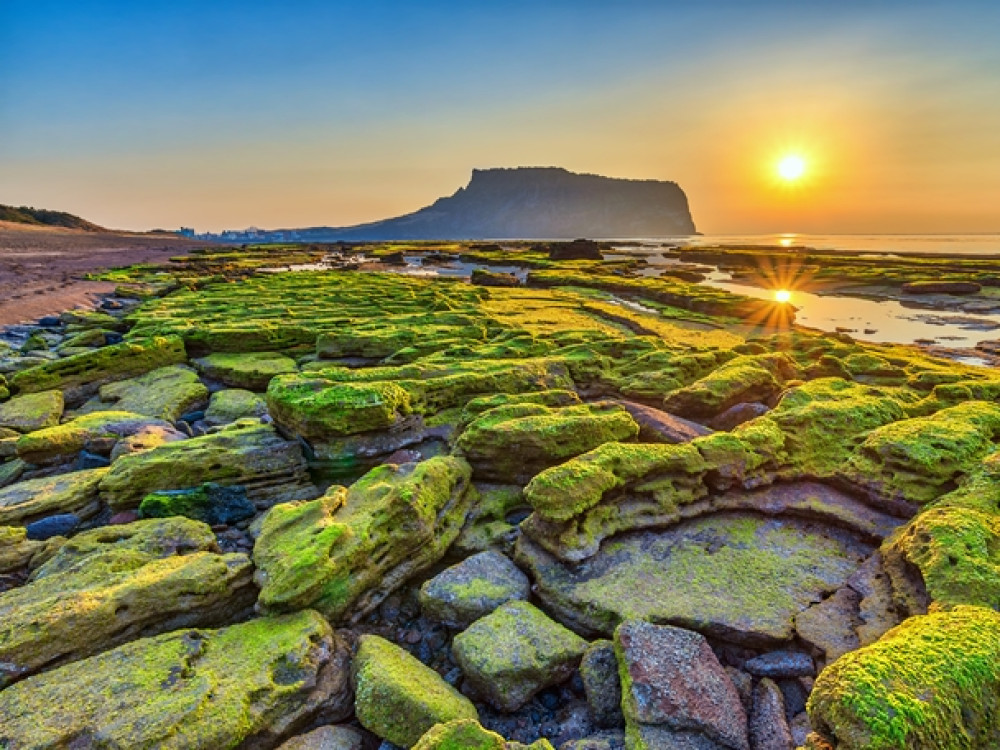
<point x="675" y="692"/>
<point x="246" y="685"/>
<point x="346" y="551"/>
<point x="32" y="499"/>
<point x="469" y="734"/>
<point x="247" y="453"/>
<point x="32" y="411"/>
<point x="513" y="443"/>
<point x="17" y="551"/>
<point x="112" y="595"/>
<point x="932" y="683"/>
<point x="514" y="652"/>
<point x="398" y="698"/>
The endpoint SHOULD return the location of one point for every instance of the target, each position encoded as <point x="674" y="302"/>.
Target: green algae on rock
<point x="70" y="611"/>
<point x="316" y="407"/>
<point x="27" y="501"/>
<point x="932" y="683"/>
<point x="734" y="575"/>
<point x="246" y="452"/>
<point x="957" y="551"/>
<point x="165" y="393"/>
<point x="141" y="540"/>
<point x="17" y="551"/>
<point x="97" y="432"/>
<point x="469" y="734"/>
<point x="515" y="651"/>
<point x="920" y="459"/>
<point x="346" y="551"/>
<point x="400" y="699"/>
<point x="513" y="443"/>
<point x="746" y="378"/>
<point x="32" y="411"/>
<point x="461" y="594"/>
<point x="82" y="374"/>
<point x="230" y="404"/>
<point x="266" y="678"/>
<point x="252" y="371"/>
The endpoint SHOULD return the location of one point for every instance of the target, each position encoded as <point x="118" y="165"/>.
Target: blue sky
<point x="219" y="114"/>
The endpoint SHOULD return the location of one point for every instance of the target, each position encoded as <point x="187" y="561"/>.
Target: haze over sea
<point x="904" y="244"/>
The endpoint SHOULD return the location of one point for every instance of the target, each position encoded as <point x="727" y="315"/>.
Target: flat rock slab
<point x="736" y="576"/>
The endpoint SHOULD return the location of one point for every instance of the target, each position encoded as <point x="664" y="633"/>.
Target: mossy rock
<point x="344" y="552"/>
<point x="956" y="550"/>
<point x="27" y="501"/>
<point x="32" y="411"/>
<point x="461" y="594"/>
<point x="749" y="378"/>
<point x="18" y="552"/>
<point x="230" y="404"/>
<point x="514" y="652"/>
<point x="917" y="460"/>
<point x="81" y="374"/>
<point x="210" y="503"/>
<point x="932" y="683"/>
<point x="823" y="421"/>
<point x="165" y="393"/>
<point x="105" y="598"/>
<point x="252" y="371"/>
<point x="97" y="432"/>
<point x="266" y="678"/>
<point x="736" y="576"/>
<point x="148" y="540"/>
<point x="318" y="407"/>
<point x="513" y="443"/>
<point x="469" y="734"/>
<point x="246" y="453"/>
<point x="576" y="504"/>
<point x="400" y="699"/>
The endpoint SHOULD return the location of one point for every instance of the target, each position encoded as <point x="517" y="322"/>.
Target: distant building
<point x="186" y="232"/>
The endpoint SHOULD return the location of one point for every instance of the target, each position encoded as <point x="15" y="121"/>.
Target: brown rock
<point x="832" y="625"/>
<point x="768" y="726"/>
<point x="672" y="682"/>
<point x="657" y="426"/>
<point x="326" y="738"/>
<point x="737" y="415"/>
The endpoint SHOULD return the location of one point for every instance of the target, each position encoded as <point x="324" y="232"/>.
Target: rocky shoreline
<point x="347" y="508"/>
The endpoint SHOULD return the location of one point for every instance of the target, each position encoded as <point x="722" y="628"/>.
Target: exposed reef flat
<point x="556" y="504"/>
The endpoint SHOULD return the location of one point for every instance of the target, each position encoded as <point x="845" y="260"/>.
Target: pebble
<point x="46" y="528"/>
<point x="781" y="664"/>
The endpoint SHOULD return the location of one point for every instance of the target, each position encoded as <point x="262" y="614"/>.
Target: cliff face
<point x="537" y="203"/>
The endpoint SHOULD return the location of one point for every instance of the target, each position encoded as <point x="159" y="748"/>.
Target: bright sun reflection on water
<point x="782" y="295"/>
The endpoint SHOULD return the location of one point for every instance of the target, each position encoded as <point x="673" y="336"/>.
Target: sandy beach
<point x="42" y="269"/>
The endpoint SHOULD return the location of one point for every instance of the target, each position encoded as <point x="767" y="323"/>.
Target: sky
<point x="219" y="115"/>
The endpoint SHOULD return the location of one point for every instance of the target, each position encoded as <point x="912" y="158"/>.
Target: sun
<point x="791" y="167"/>
<point x="782" y="295"/>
